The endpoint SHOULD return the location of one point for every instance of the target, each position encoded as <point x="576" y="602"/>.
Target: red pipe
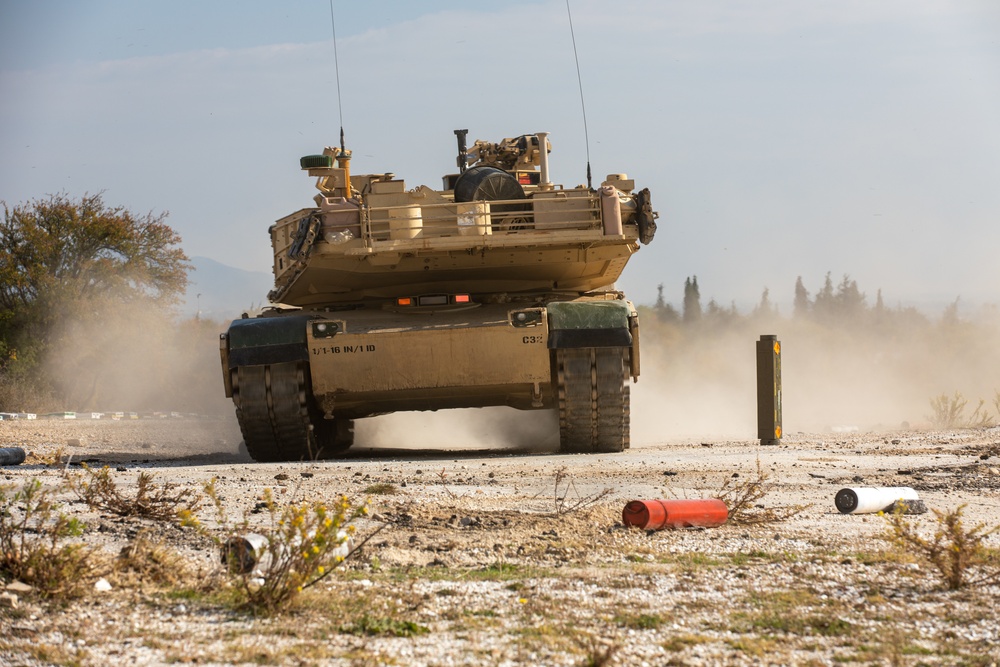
<point x="658" y="514"/>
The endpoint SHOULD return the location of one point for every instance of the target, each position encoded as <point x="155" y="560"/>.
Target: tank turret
<point x="498" y="225"/>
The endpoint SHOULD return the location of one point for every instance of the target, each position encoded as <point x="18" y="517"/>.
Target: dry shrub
<point x="743" y="495"/>
<point x="953" y="550"/>
<point x="381" y="489"/>
<point x="145" y="560"/>
<point x="563" y="485"/>
<point x="949" y="412"/>
<point x="981" y="417"/>
<point x="163" y="502"/>
<point x="374" y="626"/>
<point x="33" y="547"/>
<point x="598" y="652"/>
<point x="302" y="545"/>
<point x="54" y="458"/>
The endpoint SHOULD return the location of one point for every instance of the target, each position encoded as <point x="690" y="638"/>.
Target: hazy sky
<point x="778" y="137"/>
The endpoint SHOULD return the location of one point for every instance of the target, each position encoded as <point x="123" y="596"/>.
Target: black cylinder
<point x="463" y="150"/>
<point x="483" y="182"/>
<point x="11" y="456"/>
<point x="769" y="390"/>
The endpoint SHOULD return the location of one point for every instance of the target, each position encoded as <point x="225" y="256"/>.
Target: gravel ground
<point x="483" y="560"/>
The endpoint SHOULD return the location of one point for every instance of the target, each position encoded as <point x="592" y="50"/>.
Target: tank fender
<point x="589" y="324"/>
<point x="227" y="377"/>
<point x="267" y="340"/>
<point x="633" y="322"/>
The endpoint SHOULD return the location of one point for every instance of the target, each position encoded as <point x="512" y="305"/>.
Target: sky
<point x="779" y="138"/>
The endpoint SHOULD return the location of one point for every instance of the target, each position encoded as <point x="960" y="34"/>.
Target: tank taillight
<point x="531" y="317"/>
<point x="326" y="329"/>
<point x="434" y="300"/>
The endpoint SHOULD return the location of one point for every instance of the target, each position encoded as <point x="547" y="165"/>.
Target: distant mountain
<point x="222" y="292"/>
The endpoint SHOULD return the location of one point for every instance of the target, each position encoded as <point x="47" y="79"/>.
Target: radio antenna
<point x="336" y="65"/>
<point x="583" y="105"/>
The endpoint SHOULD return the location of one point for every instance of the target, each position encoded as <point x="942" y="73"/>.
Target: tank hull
<point x="300" y="378"/>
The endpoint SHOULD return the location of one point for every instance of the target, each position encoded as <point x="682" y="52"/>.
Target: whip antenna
<point x="583" y="106"/>
<point x="336" y="66"/>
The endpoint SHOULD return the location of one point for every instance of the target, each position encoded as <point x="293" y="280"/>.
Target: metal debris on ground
<point x="870" y="499"/>
<point x="11" y="456"/>
<point x="659" y="514"/>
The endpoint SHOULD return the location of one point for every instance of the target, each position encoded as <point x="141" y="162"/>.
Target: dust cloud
<point x="873" y="371"/>
<point x="138" y="358"/>
<point x="698" y="378"/>
<point x="467" y="429"/>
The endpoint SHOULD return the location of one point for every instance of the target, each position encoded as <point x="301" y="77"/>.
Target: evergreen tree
<point x="950" y="315"/>
<point x="850" y="301"/>
<point x="765" y="308"/>
<point x="801" y="307"/>
<point x="664" y="311"/>
<point x="825" y="304"/>
<point x="692" y="300"/>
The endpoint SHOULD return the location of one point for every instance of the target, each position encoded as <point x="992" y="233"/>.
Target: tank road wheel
<point x="273" y="409"/>
<point x="576" y="400"/>
<point x="593" y="399"/>
<point x="333" y="436"/>
<point x="612" y="399"/>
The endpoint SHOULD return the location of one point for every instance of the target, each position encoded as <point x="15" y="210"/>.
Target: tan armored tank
<point x="497" y="289"/>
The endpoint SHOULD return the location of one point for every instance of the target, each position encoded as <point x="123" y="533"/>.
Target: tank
<point x="495" y="290"/>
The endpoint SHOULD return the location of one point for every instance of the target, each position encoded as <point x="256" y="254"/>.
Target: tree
<point x="692" y="300"/>
<point x="68" y="263"/>
<point x="801" y="305"/>
<point x="664" y="311"/>
<point x="765" y="308"/>
<point x="850" y="300"/>
<point x="824" y="306"/>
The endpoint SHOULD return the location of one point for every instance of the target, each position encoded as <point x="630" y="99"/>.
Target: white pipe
<point x="868" y="500"/>
<point x="543" y="160"/>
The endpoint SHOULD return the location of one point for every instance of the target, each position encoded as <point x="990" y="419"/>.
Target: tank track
<point x="593" y="399"/>
<point x="273" y="408"/>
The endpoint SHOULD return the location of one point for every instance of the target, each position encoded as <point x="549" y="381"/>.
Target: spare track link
<point x="593" y="399"/>
<point x="272" y="411"/>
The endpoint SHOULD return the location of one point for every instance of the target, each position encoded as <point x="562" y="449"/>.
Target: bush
<point x="949" y="412"/>
<point x="145" y="560"/>
<point x="743" y="495"/>
<point x="301" y="546"/>
<point x="32" y="543"/>
<point x="953" y="550"/>
<point x="162" y="502"/>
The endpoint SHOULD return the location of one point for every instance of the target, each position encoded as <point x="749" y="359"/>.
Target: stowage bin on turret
<point x="497" y="289"/>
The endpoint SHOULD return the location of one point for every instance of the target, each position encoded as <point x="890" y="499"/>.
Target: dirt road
<point x="485" y="557"/>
